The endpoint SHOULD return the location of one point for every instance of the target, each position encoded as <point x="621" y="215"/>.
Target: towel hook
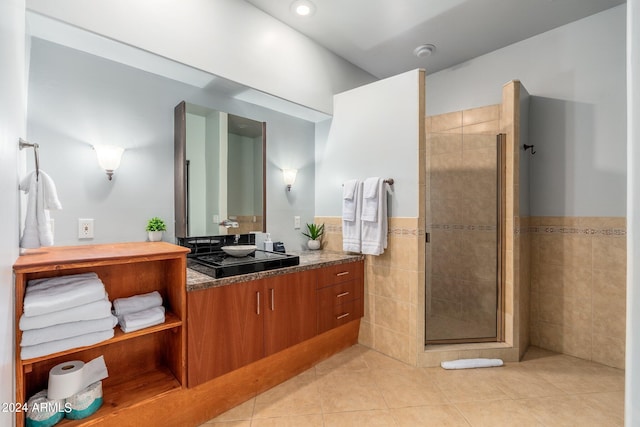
<point x="526" y="147"/>
<point x="25" y="144"/>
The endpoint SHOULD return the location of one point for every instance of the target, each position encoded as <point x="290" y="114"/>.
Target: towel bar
<point x="389" y="181"/>
<point x="25" y="144"/>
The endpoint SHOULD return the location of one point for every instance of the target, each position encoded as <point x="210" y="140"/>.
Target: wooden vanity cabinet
<point x="225" y="329"/>
<point x="143" y="364"/>
<point x="290" y="313"/>
<point x="340" y="293"/>
<point x="233" y="325"/>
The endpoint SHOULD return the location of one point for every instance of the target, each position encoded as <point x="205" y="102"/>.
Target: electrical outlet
<point x="296" y="222"/>
<point x="85" y="228"/>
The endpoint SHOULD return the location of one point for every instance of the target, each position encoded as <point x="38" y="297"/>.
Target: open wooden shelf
<point x="171" y="321"/>
<point x="143" y="365"/>
<point x="136" y="389"/>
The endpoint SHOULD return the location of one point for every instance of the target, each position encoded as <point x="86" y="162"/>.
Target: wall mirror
<point x="219" y="172"/>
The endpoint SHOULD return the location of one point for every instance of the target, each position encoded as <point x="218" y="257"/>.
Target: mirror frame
<point x="180" y="175"/>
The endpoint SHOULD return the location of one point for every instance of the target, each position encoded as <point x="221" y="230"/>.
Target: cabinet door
<point x="225" y="329"/>
<point x="290" y="311"/>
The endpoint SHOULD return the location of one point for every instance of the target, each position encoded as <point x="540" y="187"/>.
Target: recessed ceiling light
<point x="303" y="8"/>
<point x="424" y="50"/>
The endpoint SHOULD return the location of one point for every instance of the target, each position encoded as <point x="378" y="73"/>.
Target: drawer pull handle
<point x="342" y="316"/>
<point x="258" y="303"/>
<point x="344" y="294"/>
<point x="273" y="299"/>
<point x="342" y="273"/>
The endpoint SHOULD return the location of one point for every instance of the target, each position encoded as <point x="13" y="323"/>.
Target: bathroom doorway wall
<point x="464" y="213"/>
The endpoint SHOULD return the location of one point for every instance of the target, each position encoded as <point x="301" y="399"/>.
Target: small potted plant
<point x="314" y="232"/>
<point x="155" y="227"/>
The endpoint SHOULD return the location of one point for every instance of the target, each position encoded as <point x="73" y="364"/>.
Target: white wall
<point x="77" y="99"/>
<point x="374" y="132"/>
<point x="12" y="127"/>
<point x="576" y="77"/>
<point x="229" y="38"/>
<point x="632" y="368"/>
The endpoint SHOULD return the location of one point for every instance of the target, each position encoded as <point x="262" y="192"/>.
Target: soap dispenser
<point x="268" y="244"/>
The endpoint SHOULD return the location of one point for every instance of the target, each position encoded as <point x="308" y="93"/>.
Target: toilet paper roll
<point x="44" y="412"/>
<point x="84" y="403"/>
<point x="68" y="378"/>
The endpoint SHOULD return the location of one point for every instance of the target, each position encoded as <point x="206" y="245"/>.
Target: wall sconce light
<point x="109" y="158"/>
<point x="289" y="176"/>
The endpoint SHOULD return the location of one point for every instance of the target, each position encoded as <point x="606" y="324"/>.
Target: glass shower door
<point x="463" y="213"/>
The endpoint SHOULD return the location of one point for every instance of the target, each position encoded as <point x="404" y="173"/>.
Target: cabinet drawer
<point x="337" y="274"/>
<point x="334" y="316"/>
<point x="339" y="294"/>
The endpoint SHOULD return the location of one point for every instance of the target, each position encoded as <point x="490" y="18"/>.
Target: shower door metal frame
<point x="501" y="172"/>
<point x="501" y="141"/>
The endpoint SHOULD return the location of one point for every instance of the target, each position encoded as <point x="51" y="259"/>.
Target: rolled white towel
<point x="141" y="319"/>
<point x="136" y="303"/>
<point x="67" y="330"/>
<point x="91" y="311"/>
<point x="49" y="295"/>
<point x="471" y="363"/>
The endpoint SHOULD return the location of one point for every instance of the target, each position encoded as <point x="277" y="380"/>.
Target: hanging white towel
<point x="351" y="230"/>
<point x="374" y="233"/>
<point x="370" y="199"/>
<point x="349" y="200"/>
<point x="41" y="198"/>
<point x="91" y="311"/>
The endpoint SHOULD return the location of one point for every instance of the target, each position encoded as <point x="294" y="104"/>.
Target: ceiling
<point x="380" y="36"/>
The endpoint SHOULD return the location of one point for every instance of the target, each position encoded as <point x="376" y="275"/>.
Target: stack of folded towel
<point x="139" y="311"/>
<point x="61" y="313"/>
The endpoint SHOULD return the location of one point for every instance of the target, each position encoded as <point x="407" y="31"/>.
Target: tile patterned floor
<point x="361" y="387"/>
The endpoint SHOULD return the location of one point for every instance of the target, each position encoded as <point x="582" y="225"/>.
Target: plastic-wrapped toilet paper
<point x="84" y="403"/>
<point x="68" y="378"/>
<point x="44" y="412"/>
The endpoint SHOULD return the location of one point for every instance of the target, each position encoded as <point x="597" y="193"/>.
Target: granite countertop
<point x="309" y="260"/>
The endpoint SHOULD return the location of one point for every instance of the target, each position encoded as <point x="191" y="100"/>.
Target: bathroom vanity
<point x="224" y="340"/>
<point x="238" y="320"/>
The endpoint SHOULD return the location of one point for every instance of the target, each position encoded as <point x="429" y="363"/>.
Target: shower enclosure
<point x="464" y="213"/>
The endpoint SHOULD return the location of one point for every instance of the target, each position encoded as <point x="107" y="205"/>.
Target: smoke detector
<point x="424" y="50"/>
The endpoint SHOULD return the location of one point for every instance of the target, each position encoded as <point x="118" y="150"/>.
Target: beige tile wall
<point x="578" y="287"/>
<point x="391" y="287"/>
<point x="522" y="240"/>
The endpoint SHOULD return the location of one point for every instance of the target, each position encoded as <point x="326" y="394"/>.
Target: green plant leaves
<point x="314" y="231"/>
<point x="156" y="224"/>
